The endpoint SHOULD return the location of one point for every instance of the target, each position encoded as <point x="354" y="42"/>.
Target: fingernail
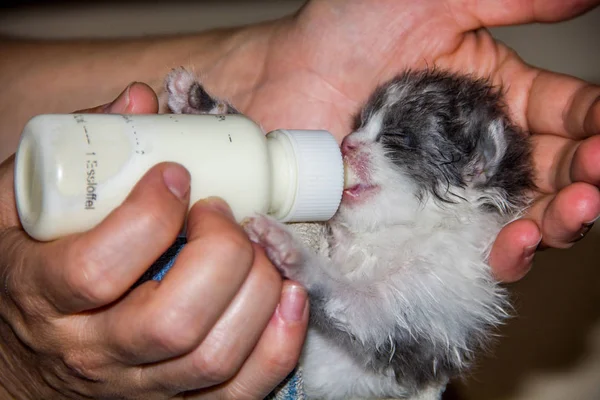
<point x="120" y="104"/>
<point x="177" y="179"/>
<point x="530" y="251"/>
<point x="585" y="228"/>
<point x="590" y="223"/>
<point x="217" y="204"/>
<point x="293" y="303"/>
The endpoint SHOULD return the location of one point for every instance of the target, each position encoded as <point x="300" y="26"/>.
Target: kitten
<point x="402" y="298"/>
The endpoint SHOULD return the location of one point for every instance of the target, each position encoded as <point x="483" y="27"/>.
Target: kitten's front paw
<point x="179" y="83"/>
<point x="187" y="95"/>
<point x="281" y="247"/>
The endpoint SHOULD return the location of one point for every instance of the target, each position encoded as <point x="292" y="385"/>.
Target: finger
<point x="277" y="352"/>
<point x="95" y="268"/>
<point x="586" y="162"/>
<point x="559" y="162"/>
<point x="471" y="15"/>
<point x="172" y="317"/>
<point x="514" y="249"/>
<point x="137" y="98"/>
<point x="231" y="340"/>
<point x="8" y="207"/>
<point x="561" y="105"/>
<point x="564" y="217"/>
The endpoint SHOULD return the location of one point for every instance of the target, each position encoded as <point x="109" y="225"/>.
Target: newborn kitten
<point x="401" y="295"/>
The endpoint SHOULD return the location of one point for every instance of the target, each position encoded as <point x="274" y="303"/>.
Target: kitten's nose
<point x="348" y="146"/>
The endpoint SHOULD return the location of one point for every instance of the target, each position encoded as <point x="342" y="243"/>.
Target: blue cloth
<point x="290" y="389"/>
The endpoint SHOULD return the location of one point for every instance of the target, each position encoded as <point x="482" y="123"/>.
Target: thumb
<point x="97" y="267"/>
<point x="477" y="14"/>
<point x="137" y="98"/>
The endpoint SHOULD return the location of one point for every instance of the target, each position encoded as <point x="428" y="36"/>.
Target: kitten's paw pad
<point x="179" y="83"/>
<point x="188" y="96"/>
<point x="279" y="244"/>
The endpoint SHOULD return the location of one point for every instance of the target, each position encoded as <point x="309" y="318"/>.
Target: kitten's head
<point x="436" y="143"/>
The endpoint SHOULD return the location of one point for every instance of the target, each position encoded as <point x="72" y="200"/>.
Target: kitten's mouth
<point x="354" y="187"/>
<point x="359" y="190"/>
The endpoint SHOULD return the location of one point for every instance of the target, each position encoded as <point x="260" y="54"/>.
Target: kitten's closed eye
<point x="397" y="141"/>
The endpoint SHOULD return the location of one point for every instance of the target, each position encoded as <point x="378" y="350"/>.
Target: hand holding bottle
<point x="220" y="320"/>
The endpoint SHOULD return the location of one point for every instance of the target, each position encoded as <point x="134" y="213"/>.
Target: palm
<point x="323" y="72"/>
<point x="320" y="69"/>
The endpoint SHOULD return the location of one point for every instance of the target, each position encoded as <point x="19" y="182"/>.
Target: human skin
<point x="73" y="334"/>
<point x="312" y="70"/>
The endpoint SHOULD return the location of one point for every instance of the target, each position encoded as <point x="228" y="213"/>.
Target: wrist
<point x="237" y="63"/>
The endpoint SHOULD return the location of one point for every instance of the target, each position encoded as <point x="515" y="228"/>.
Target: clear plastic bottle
<point x="72" y="170"/>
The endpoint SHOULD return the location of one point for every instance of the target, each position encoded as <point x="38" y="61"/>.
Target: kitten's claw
<point x="279" y="244"/>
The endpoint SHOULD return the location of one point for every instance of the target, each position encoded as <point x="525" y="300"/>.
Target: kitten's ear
<point x="491" y="147"/>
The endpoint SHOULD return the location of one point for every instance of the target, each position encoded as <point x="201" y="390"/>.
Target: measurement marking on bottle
<point x="137" y="142"/>
<point x="90" y="182"/>
<point x="87" y="135"/>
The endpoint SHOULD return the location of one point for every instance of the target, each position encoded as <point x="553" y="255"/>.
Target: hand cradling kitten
<point x="402" y="298"/>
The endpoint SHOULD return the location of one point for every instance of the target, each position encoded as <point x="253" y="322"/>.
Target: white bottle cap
<point x="320" y="170"/>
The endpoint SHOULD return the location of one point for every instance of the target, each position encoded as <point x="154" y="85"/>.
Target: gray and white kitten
<point x="402" y="298"/>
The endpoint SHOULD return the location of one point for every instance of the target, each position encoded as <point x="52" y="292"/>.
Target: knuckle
<point x="173" y="332"/>
<point x="14" y="272"/>
<point x="233" y="244"/>
<point x="281" y="360"/>
<point x="154" y="216"/>
<point x="87" y="277"/>
<point x="213" y="365"/>
<point x="155" y="219"/>
<point x="269" y="275"/>
<point x="281" y="364"/>
<point x="83" y="365"/>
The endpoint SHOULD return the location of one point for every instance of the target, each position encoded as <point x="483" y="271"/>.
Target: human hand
<point x="316" y="69"/>
<point x="221" y="320"/>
